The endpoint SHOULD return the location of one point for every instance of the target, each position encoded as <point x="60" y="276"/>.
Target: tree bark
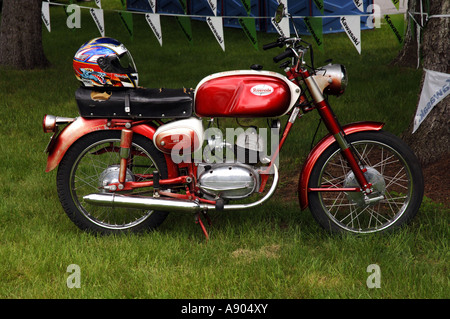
<point x="431" y="141"/>
<point x="21" y="35"/>
<point x="407" y="56"/>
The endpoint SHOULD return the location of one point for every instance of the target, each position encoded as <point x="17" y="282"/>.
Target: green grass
<point x="274" y="251"/>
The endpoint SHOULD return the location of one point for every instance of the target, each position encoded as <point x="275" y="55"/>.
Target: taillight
<point x="51" y="122"/>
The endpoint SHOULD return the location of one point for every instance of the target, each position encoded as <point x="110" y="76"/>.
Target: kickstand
<point x="198" y="220"/>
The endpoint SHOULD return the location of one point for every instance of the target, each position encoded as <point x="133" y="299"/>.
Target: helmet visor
<point x="123" y="64"/>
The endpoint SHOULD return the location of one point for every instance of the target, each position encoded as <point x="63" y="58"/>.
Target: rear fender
<point x="81" y="126"/>
<point x="320" y="148"/>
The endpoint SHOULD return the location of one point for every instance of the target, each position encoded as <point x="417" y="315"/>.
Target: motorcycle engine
<point x="230" y="170"/>
<point x="227" y="180"/>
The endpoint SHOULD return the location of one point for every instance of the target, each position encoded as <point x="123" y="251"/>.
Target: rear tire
<point x="92" y="162"/>
<point x="392" y="168"/>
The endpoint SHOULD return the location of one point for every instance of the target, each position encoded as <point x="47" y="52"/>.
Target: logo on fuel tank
<point x="261" y="90"/>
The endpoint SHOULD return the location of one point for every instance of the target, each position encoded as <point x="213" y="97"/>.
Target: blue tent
<point x="261" y="8"/>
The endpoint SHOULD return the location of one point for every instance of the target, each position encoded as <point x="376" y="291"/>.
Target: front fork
<point x="335" y="129"/>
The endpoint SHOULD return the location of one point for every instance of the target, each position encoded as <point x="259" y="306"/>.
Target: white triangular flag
<point x="283" y="26"/>
<point x="216" y="26"/>
<point x="98" y="3"/>
<point x="153" y="21"/>
<point x="97" y="15"/>
<point x="213" y="6"/>
<point x="45" y="13"/>
<point x="352" y="26"/>
<point x="359" y="5"/>
<point x="436" y="87"/>
<point x="152" y="4"/>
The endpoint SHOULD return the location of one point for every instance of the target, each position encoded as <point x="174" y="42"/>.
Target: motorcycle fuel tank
<point x="245" y="93"/>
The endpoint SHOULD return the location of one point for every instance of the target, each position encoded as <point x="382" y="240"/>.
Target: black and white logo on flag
<point x="436" y="87"/>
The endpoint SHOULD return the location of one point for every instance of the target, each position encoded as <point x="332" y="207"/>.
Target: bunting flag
<point x="127" y="19"/>
<point x="248" y="26"/>
<point x="185" y="22"/>
<point x="154" y="22"/>
<point x="45" y="13"/>
<point x="152" y="4"/>
<point x="397" y="25"/>
<point x="247" y="5"/>
<point x="98" y="3"/>
<point x="396" y="3"/>
<point x="213" y="6"/>
<point x="314" y="26"/>
<point x="216" y="26"/>
<point x="352" y="26"/>
<point x="436" y="87"/>
<point x="97" y="15"/>
<point x="319" y="5"/>
<point x="185" y="25"/>
<point x="283" y="27"/>
<point x="359" y="5"/>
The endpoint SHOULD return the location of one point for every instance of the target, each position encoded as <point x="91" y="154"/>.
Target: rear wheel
<point x="92" y="163"/>
<point x="391" y="168"/>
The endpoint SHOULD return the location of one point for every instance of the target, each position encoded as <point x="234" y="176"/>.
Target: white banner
<point x="153" y="21"/>
<point x="216" y="26"/>
<point x="45" y="13"/>
<point x="97" y="15"/>
<point x="152" y="4"/>
<point x="213" y="6"/>
<point x="352" y="26"/>
<point x="436" y="87"/>
<point x="98" y="3"/>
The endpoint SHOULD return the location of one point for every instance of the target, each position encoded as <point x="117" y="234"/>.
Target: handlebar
<point x="272" y="45"/>
<point x="286" y="54"/>
<point x="294" y="49"/>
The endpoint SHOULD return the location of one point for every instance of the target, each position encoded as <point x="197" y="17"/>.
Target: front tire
<point x="93" y="162"/>
<point x="392" y="169"/>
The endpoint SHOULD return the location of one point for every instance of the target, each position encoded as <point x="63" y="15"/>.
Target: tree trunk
<point x="431" y="141"/>
<point x="21" y="35"/>
<point x="407" y="56"/>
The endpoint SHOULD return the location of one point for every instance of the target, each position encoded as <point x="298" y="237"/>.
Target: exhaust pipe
<point x="163" y="204"/>
<point x="171" y="204"/>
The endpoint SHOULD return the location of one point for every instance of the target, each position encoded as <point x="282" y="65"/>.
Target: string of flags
<point x="351" y="24"/>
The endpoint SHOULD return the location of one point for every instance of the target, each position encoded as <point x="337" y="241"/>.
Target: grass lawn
<point x="271" y="252"/>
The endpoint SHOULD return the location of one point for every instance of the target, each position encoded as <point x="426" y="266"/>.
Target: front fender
<point x="320" y="148"/>
<point x="80" y="127"/>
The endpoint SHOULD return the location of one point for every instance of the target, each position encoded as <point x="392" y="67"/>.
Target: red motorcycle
<point x="130" y="158"/>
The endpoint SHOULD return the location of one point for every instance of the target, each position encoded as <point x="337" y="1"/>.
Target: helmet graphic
<point x="105" y="62"/>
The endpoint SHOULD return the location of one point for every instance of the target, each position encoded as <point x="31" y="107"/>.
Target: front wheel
<point x="392" y="169"/>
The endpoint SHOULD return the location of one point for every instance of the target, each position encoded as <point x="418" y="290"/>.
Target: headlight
<point x="337" y="77"/>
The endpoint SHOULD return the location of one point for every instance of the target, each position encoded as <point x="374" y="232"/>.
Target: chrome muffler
<point x="153" y="203"/>
<point x="170" y="204"/>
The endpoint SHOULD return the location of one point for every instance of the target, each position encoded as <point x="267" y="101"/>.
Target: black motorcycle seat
<point x="140" y="103"/>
